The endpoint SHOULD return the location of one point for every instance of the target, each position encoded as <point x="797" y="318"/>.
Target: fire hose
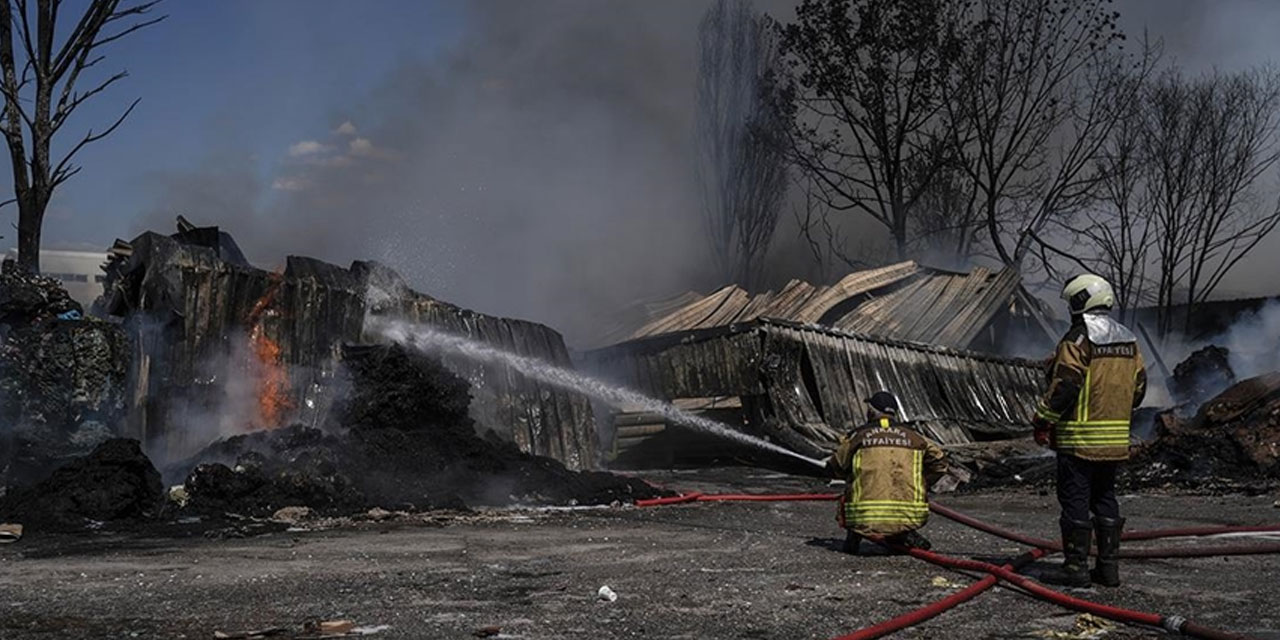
<point x="1170" y="552"/>
<point x="1173" y="624"/>
<point x="1014" y="536"/>
<point x="912" y="618"/>
<point x="1008" y="571"/>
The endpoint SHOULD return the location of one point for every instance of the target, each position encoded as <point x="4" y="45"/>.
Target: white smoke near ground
<point x="1252" y="342"/>
<point x="221" y="401"/>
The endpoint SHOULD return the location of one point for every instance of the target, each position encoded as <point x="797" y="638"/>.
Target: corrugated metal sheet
<point x="903" y="301"/>
<point x="804" y="385"/>
<point x="185" y="305"/>
<point x="941" y="308"/>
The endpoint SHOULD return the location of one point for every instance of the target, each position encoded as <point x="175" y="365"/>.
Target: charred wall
<point x="189" y="300"/>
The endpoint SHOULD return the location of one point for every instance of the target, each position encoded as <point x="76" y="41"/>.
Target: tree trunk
<point x="30" y="219"/>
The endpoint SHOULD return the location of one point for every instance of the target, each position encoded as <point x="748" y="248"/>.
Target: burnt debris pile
<point x="1204" y="374"/>
<point x="1232" y="441"/>
<point x="114" y="482"/>
<point x="62" y="376"/>
<point x="399" y="438"/>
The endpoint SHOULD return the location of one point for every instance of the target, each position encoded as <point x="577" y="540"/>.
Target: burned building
<point x="207" y="325"/>
<point x="795" y="365"/>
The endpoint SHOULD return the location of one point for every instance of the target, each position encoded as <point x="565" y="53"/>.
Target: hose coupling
<point x="1173" y="624"/>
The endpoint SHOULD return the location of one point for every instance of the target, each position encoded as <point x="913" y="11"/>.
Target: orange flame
<point x="274" y="402"/>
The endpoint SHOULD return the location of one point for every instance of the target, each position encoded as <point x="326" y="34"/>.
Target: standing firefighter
<point x="889" y="468"/>
<point x="1095" y="380"/>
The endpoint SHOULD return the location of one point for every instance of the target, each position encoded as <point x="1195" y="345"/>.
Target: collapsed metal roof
<point x="803" y="385"/>
<point x="903" y="301"/>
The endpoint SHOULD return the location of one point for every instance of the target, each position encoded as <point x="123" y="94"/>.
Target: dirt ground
<point x="709" y="570"/>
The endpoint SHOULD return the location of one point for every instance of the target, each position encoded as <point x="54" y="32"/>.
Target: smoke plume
<point x="542" y="168"/>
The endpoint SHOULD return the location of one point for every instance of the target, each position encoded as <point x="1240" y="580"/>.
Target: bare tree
<point x="41" y="93"/>
<point x="865" y="99"/>
<point x="1041" y="84"/>
<point x="742" y="168"/>
<point x="946" y="215"/>
<point x="1212" y="140"/>
<point x="1121" y="225"/>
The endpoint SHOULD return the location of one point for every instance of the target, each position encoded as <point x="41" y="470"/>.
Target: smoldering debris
<point x="223" y="347"/>
<point x="401" y="438"/>
<point x="1232" y="442"/>
<point x="63" y="377"/>
<point x="1203" y="374"/>
<point x="114" y="482"/>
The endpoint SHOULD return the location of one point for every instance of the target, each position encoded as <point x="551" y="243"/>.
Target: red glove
<point x="1043" y="431"/>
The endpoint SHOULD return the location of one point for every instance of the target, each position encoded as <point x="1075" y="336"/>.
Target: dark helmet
<point x="884" y="402"/>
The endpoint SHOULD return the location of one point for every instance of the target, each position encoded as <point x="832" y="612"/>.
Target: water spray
<point x="428" y="339"/>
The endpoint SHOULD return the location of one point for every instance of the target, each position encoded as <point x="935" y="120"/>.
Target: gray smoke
<point x="542" y="168"/>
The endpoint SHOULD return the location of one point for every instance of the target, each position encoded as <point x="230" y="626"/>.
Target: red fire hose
<point x="1014" y="536"/>
<point x="1173" y="624"/>
<point x="912" y="618"/>
<point x="1164" y="552"/>
<point x="1007" y="572"/>
<point x="697" y="496"/>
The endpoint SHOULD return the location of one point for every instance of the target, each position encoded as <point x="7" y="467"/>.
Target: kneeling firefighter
<point x="1096" y="379"/>
<point x="888" y="467"/>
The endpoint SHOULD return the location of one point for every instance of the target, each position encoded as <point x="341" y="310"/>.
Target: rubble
<point x="62" y="377"/>
<point x="191" y="303"/>
<point x="1233" y="440"/>
<point x="400" y="439"/>
<point x="114" y="482"/>
<point x="1002" y="463"/>
<point x="1202" y="375"/>
<point x="27" y="299"/>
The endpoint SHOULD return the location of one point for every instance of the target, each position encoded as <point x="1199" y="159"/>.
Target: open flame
<point x="274" y="401"/>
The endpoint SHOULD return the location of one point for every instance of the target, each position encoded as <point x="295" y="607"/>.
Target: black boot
<point x="1076" y="536"/>
<point x="912" y="539"/>
<point x="851" y="542"/>
<point x="1106" y="571"/>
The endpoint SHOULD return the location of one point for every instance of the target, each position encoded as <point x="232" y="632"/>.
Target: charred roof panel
<point x="812" y="380"/>
<point x="902" y="301"/>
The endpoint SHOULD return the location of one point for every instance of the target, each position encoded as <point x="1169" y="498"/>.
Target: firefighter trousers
<point x="1087" y="486"/>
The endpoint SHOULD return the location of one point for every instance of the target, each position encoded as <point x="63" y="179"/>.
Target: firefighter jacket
<point x="889" y="468"/>
<point x="1096" y="379"/>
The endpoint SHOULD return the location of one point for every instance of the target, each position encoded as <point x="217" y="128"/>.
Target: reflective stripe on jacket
<point x="888" y="468"/>
<point x="1093" y="389"/>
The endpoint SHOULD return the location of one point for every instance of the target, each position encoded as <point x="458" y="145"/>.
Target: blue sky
<point x="256" y="75"/>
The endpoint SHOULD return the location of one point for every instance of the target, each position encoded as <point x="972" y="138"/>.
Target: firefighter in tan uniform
<point x="1096" y="379"/>
<point x="889" y="468"/>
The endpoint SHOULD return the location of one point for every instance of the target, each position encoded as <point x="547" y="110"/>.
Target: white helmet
<point x="1087" y="292"/>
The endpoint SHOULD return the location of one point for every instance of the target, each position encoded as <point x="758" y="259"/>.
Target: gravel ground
<point x="708" y="570"/>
